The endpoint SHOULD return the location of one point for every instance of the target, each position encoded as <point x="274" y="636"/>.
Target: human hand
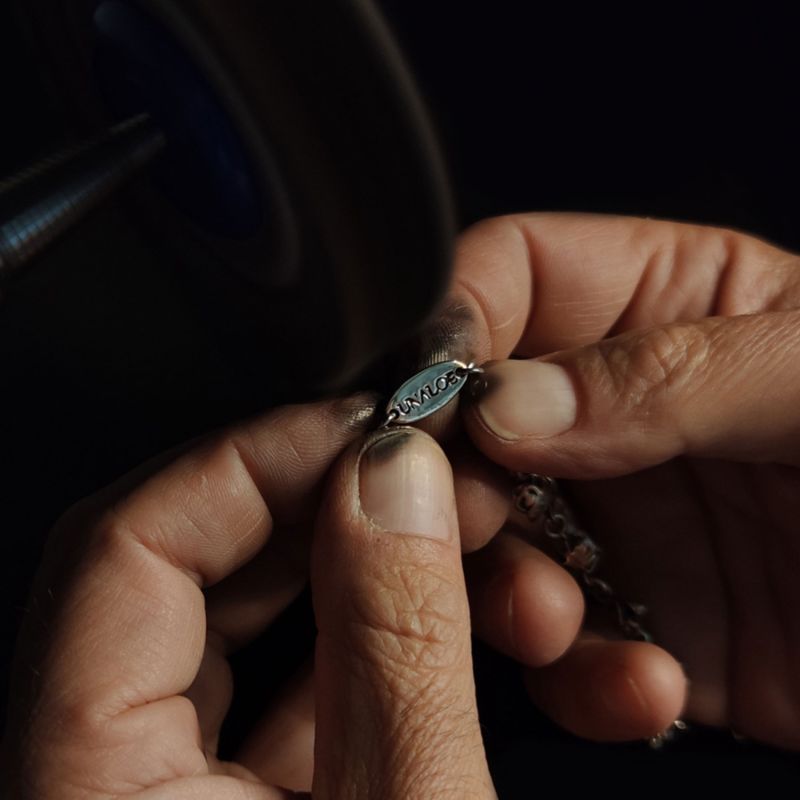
<point x="122" y="681"/>
<point x="666" y="388"/>
<point x="524" y="603"/>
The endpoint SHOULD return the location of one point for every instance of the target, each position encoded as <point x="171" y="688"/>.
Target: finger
<point x="719" y="388"/>
<point x="610" y="690"/>
<point x="241" y="607"/>
<point x="396" y="713"/>
<point x="118" y="629"/>
<point x="536" y="283"/>
<point x="280" y="750"/>
<point x="523" y="603"/>
<point x="531" y="284"/>
<point x="211" y="692"/>
<point x="483" y="494"/>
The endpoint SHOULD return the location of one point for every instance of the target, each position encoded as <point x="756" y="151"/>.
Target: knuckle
<point x="644" y="370"/>
<point x="64" y="715"/>
<point x="79" y="719"/>
<point x="782" y="277"/>
<point x="119" y="537"/>
<point x="113" y="532"/>
<point x="67" y="538"/>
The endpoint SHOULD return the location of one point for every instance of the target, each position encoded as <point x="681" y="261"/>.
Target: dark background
<point x="665" y="111"/>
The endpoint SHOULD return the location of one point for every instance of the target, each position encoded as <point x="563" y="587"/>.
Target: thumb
<point x="722" y="387"/>
<point x="396" y="712"/>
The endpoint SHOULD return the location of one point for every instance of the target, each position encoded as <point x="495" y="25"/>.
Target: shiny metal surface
<point x="428" y="391"/>
<point x="44" y="201"/>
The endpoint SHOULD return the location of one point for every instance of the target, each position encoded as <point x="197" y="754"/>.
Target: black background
<point x="675" y="111"/>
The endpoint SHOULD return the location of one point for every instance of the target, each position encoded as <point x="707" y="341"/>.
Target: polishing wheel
<point x="299" y="193"/>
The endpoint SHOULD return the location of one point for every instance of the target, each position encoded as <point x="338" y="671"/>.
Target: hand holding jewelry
<point x="535" y="496"/>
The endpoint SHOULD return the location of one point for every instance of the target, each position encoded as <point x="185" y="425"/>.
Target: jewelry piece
<point x="536" y="496"/>
<point x="428" y="391"/>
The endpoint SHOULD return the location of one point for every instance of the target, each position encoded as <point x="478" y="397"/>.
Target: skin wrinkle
<point x="670" y="270"/>
<point x="753" y="281"/>
<point x="698" y="254"/>
<point x="609" y="327"/>
<point x="197" y="491"/>
<point x="588" y="314"/>
<point x="293" y="457"/>
<point x="684" y="294"/>
<point x="533" y="256"/>
<point x="90" y="778"/>
<point x="197" y="646"/>
<point x="424" y="715"/>
<point x="118" y="599"/>
<point x="244" y="454"/>
<point x="404" y="694"/>
<point x="785" y="283"/>
<point x="768" y="337"/>
<point x="644" y="705"/>
<point x="405" y="629"/>
<point x="726" y="296"/>
<point x="338" y="421"/>
<point x="682" y="355"/>
<point x="341" y="422"/>
<point x="112" y="538"/>
<point x="119" y="526"/>
<point x="517" y="315"/>
<point x="501" y="326"/>
<point x="434" y="724"/>
<point x="586" y="321"/>
<point x="653" y="267"/>
<point x="195" y="532"/>
<point x="481" y="304"/>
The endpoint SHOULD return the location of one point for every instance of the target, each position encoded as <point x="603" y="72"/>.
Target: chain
<point x="539" y="499"/>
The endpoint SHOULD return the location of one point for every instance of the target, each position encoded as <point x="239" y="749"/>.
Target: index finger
<point x="531" y="284"/>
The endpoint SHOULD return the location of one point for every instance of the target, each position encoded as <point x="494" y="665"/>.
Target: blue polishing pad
<point x="205" y="169"/>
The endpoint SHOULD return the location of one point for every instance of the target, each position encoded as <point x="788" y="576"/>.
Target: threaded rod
<point x="44" y="201"/>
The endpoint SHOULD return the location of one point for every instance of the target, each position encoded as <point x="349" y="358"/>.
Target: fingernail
<point x="406" y="486"/>
<point x="527" y="398"/>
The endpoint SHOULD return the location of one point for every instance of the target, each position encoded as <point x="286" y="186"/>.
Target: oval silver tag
<point x="427" y="392"/>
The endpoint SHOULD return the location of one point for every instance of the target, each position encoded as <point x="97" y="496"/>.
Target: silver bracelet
<point x="539" y="499"/>
<point x="536" y="496"/>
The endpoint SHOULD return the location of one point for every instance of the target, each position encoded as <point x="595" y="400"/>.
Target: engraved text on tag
<point x="427" y="392"/>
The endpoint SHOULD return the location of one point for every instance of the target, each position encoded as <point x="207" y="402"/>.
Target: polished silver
<point x="428" y="391"/>
<point x="539" y="499"/>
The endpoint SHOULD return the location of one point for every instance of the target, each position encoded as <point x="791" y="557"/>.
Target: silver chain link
<point x="539" y="499"/>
